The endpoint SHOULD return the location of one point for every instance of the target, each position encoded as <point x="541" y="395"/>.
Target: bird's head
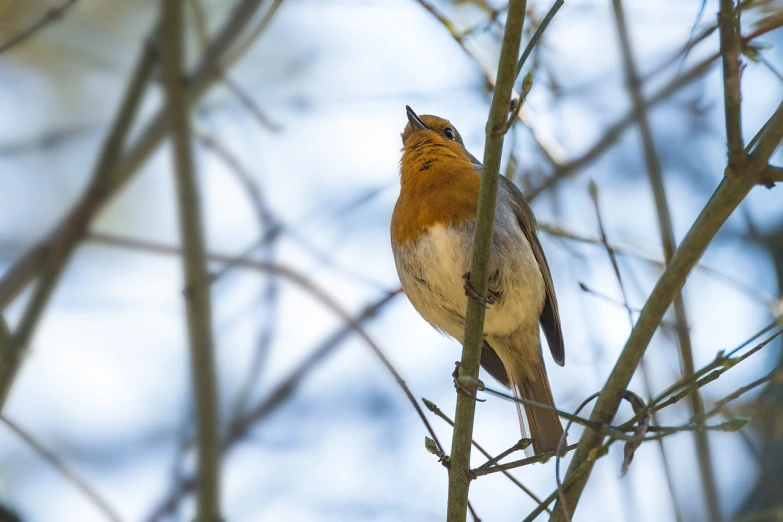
<point x="430" y="137"/>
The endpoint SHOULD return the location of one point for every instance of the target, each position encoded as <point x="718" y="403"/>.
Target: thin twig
<point x="547" y="143"/>
<point x="52" y="15"/>
<point x="197" y="287"/>
<point x="240" y="426"/>
<point x="49" y="456"/>
<point x="767" y="299"/>
<point x="616" y="302"/>
<point x="537" y="35"/>
<point x="244" y="98"/>
<point x="645" y="373"/>
<point x="560" y="451"/>
<point x="459" y="481"/>
<point x="437" y="411"/>
<point x="290" y="275"/>
<point x="571" y="478"/>
<point x="612" y="134"/>
<point x="543" y="457"/>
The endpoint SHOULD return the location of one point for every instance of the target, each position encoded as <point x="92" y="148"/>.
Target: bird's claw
<point x="461" y="388"/>
<point x="486" y="302"/>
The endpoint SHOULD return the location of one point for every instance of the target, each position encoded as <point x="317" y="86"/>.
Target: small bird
<point x="432" y="230"/>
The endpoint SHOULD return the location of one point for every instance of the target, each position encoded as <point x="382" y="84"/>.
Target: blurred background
<point x="297" y="151"/>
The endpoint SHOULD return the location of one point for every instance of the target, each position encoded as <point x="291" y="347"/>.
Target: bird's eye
<point x="449" y="133"/>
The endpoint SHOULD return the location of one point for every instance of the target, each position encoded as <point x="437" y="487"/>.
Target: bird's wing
<point x="550" y="316"/>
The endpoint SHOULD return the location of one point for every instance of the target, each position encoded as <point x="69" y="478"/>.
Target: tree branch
<point x="197" y="286"/>
<point x="52" y="15"/>
<point x="459" y="481"/>
<point x="73" y="229"/>
<point x="728" y="24"/>
<point x="240" y="426"/>
<point x="49" y="258"/>
<point x="729" y="194"/>
<point x="666" y="229"/>
<point x="81" y="484"/>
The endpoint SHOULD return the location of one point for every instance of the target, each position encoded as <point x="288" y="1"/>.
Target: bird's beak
<point x="415" y="121"/>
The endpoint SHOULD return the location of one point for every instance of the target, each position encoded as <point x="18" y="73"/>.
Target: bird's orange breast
<point x="438" y="187"/>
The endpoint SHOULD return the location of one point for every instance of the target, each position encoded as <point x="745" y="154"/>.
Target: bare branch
<point x="240" y="426"/>
<point x="197" y="285"/>
<point x="52" y="15"/>
<point x="728" y="24"/>
<point x="50" y="257"/>
<point x="31" y="263"/>
<point x="666" y="229"/>
<point x="81" y="484"/>
<point x="726" y="198"/>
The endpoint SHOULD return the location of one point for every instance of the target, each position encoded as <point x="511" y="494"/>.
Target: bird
<point x="432" y="232"/>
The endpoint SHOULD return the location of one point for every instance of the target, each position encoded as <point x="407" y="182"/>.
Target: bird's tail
<point x="544" y="426"/>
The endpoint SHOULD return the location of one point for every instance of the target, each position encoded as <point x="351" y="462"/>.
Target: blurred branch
<point x="292" y="276"/>
<point x="729" y="194"/>
<point x="240" y="426"/>
<point x="764" y="298"/>
<point x="616" y="302"/>
<point x="50" y="256"/>
<point x="48" y="139"/>
<point x="764" y="143"/>
<point x="728" y="24"/>
<point x="645" y="373"/>
<point x="615" y="131"/>
<point x="197" y="286"/>
<point x="52" y="15"/>
<point x="72" y="229"/>
<point x="244" y="98"/>
<point x="267" y="223"/>
<point x="271" y="226"/>
<point x="9" y="359"/>
<point x="666" y="229"/>
<point x="689" y="384"/>
<point x="80" y="483"/>
<point x="775" y="375"/>
<point x="549" y="146"/>
<point x="459" y="481"/>
<point x="537" y="35"/>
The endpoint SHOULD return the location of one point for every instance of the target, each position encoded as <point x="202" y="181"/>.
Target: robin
<point x="432" y="231"/>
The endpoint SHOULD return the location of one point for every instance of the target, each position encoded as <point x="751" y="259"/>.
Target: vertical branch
<point x="642" y="366"/>
<point x="730" y="50"/>
<point x="459" y="482"/>
<point x="9" y="359"/>
<point x="655" y="175"/>
<point x="197" y="293"/>
<point x="55" y="252"/>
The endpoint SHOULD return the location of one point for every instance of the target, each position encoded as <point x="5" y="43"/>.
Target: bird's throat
<point x="437" y="188"/>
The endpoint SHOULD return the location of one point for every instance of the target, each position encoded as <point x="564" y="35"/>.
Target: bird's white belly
<point x="431" y="271"/>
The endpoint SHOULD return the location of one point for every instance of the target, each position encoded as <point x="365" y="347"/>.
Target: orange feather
<point x="439" y="184"/>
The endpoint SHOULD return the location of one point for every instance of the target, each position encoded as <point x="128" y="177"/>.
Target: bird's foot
<point x="461" y="388"/>
<point x="486" y="302"/>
